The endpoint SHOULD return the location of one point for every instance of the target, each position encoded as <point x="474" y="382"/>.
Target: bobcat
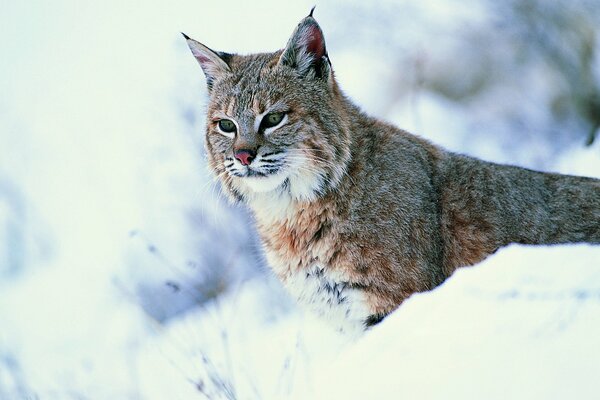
<point x="355" y="214"/>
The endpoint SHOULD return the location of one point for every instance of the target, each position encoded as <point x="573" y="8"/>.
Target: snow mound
<point x="522" y="325"/>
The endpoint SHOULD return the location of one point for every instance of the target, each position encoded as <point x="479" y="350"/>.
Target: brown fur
<point x="373" y="208"/>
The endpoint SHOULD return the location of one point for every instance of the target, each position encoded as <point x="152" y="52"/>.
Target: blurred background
<point x="123" y="271"/>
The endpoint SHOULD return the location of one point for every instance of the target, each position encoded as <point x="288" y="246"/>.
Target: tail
<point x="485" y="206"/>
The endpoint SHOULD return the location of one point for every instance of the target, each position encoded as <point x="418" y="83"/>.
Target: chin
<point x="263" y="184"/>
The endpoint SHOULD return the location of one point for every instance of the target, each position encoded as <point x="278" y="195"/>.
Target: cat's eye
<point x="226" y="125"/>
<point x="272" y="119"/>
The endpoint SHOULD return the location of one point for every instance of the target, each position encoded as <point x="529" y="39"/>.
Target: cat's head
<point x="275" y="120"/>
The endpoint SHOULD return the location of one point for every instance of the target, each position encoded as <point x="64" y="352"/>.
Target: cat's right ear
<point x="213" y="63"/>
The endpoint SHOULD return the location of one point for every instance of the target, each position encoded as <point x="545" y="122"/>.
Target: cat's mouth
<point x="261" y="179"/>
<point x="266" y="173"/>
<point x="256" y="173"/>
<point x="253" y="173"/>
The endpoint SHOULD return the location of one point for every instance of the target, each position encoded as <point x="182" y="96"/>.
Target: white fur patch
<point x="272" y="206"/>
<point x="262" y="184"/>
<point x="304" y="185"/>
<point x="305" y="179"/>
<point x="342" y="306"/>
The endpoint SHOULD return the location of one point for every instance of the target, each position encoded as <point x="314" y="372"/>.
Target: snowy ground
<point x="111" y="233"/>
<point x="522" y="325"/>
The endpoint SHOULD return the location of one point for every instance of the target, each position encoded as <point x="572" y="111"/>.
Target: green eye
<point x="271" y="120"/>
<point x="226" y="125"/>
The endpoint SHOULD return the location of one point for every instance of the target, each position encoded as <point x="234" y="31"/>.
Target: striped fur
<point x="355" y="214"/>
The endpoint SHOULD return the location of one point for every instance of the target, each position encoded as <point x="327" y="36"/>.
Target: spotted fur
<point x="355" y="214"/>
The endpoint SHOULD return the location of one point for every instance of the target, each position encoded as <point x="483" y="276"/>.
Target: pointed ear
<point x="306" y="50"/>
<point x="213" y="63"/>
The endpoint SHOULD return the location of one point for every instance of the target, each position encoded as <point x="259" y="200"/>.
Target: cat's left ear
<point x="213" y="63"/>
<point x="306" y="52"/>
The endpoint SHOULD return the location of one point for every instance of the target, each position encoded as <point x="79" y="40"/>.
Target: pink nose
<point x="245" y="156"/>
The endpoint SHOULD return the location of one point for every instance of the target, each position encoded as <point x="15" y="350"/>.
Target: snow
<point x="522" y="325"/>
<point x="249" y="341"/>
<point x="124" y="274"/>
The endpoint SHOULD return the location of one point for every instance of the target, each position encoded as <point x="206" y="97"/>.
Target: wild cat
<point x="355" y="214"/>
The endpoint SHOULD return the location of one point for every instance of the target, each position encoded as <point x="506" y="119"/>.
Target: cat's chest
<point x="297" y="236"/>
<point x="300" y="246"/>
<point x="321" y="288"/>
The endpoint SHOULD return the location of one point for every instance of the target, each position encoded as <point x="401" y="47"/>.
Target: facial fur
<point x="301" y="156"/>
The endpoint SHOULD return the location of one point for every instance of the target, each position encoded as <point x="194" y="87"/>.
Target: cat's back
<point x="392" y="166"/>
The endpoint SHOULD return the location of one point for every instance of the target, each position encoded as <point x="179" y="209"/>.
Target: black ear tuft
<point x="213" y="63"/>
<point x="306" y="51"/>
